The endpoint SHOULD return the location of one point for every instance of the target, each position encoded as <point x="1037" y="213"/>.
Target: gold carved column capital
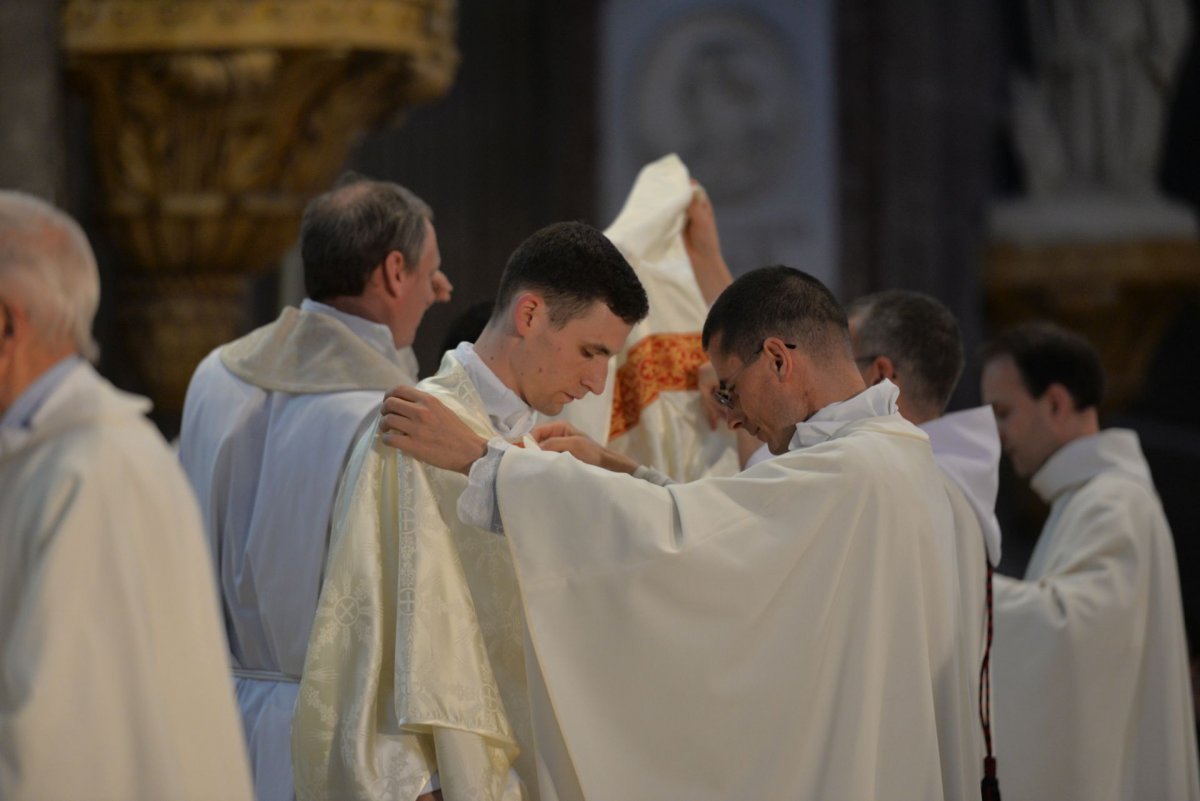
<point x="214" y="123"/>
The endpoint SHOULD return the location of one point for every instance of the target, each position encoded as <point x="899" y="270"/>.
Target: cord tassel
<point x="989" y="785"/>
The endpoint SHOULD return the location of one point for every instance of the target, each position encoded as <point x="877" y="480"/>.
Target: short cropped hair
<point x="1046" y="354"/>
<point x="778" y="301"/>
<point x="572" y="265"/>
<point x="47" y="263"/>
<point x="919" y="335"/>
<point x="349" y="231"/>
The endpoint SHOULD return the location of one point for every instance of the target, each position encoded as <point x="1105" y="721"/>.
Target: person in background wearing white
<point x="912" y="340"/>
<point x="1092" y="691"/>
<point x="268" y="422"/>
<point x="114" y="683"/>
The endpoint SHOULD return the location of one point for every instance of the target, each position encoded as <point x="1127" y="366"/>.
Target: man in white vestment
<point x="415" y="681"/>
<point x="268" y="423"/>
<point x="1092" y="692"/>
<point x="913" y="340"/>
<point x="781" y="633"/>
<point x="113" y="680"/>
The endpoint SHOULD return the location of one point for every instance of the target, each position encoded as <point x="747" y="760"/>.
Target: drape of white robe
<point x="651" y="408"/>
<point x="114" y="684"/>
<point x="785" y="633"/>
<point x="1092" y="691"/>
<point x="417" y="661"/>
<point x="267" y="426"/>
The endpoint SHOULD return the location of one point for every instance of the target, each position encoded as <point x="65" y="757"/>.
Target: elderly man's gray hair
<point x="48" y="266"/>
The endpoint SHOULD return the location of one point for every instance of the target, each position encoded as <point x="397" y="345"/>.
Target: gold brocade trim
<point x="659" y="362"/>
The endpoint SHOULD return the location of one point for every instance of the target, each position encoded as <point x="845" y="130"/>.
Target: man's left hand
<point x="419" y="425"/>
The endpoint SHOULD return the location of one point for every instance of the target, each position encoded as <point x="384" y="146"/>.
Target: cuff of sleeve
<point x="653" y="475"/>
<point x="477" y="506"/>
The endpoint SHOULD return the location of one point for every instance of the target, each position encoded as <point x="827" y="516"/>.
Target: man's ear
<point x="885" y="368"/>
<point x="393" y="272"/>
<point x="783" y="358"/>
<point x="1060" y="402"/>
<point x="527" y="310"/>
<point x="880" y="367"/>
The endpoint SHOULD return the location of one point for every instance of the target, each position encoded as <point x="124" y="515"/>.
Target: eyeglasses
<point x="723" y="393"/>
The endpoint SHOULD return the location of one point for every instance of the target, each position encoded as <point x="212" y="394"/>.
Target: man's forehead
<point x="599" y="326"/>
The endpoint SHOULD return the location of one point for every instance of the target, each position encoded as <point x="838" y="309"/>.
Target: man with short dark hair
<point x="415" y="681"/>
<point x="371" y="269"/>
<point x="782" y="633"/>
<point x="113" y="674"/>
<point x="1092" y="691"/>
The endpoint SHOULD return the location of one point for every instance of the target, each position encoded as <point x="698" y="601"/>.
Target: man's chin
<point x="549" y="408"/>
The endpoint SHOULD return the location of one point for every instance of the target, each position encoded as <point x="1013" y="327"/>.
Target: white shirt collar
<point x="510" y="416"/>
<point x="875" y="401"/>
<point x="21" y="413"/>
<point x="377" y="335"/>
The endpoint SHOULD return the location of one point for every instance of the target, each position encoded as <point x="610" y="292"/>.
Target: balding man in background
<point x="113" y="675"/>
<point x="269" y="420"/>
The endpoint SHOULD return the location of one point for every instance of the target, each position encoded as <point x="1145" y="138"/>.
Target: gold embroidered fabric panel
<point x="660" y="362"/>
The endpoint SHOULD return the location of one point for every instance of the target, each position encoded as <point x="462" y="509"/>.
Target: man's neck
<point x="363" y="306"/>
<point x="495" y="348"/>
<point x="838" y="383"/>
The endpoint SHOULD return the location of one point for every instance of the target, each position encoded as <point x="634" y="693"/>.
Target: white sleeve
<point x="477" y="504"/>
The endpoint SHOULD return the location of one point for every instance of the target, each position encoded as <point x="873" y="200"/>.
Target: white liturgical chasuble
<point x="114" y="684"/>
<point x="785" y="633"/>
<point x="651" y="408"/>
<point x="267" y="425"/>
<point x="417" y="661"/>
<point x="1093" y="698"/>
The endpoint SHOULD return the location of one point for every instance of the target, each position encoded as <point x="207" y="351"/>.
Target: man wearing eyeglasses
<point x="782" y="633"/>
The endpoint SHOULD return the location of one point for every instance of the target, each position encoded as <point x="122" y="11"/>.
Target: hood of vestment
<point x="305" y="352"/>
<point x="1116" y="450"/>
<point x="966" y="445"/>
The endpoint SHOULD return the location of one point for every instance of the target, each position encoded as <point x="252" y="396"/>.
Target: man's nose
<point x="595" y="376"/>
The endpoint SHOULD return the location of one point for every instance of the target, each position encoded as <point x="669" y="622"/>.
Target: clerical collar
<point x="27" y="404"/>
<point x="874" y="401"/>
<point x="510" y="416"/>
<point x="377" y="335"/>
<point x="1115" y="450"/>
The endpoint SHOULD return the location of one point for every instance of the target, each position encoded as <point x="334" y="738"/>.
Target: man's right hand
<point x="422" y="427"/>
